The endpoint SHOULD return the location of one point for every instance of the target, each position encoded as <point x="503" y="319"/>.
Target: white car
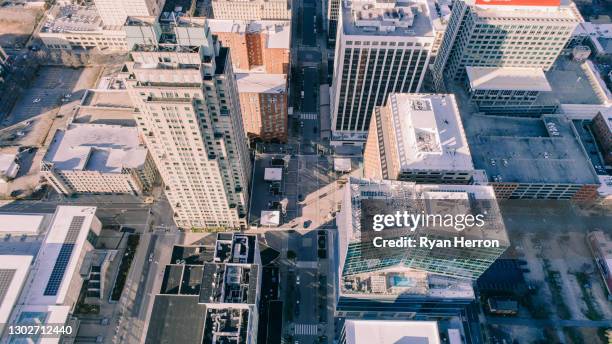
<point x="37" y="100"/>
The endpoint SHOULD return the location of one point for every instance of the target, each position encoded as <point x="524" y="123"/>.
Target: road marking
<point x="308" y="116"/>
<point x="306" y="329"/>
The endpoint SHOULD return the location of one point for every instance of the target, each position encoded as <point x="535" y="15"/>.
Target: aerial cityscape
<point x="306" y="171"/>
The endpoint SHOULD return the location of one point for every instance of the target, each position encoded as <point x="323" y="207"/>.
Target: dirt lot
<point x="17" y="24"/>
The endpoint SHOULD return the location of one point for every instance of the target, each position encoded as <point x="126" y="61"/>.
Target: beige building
<point x="78" y="27"/>
<point x="188" y="112"/>
<point x="115" y="12"/>
<point x="480" y="34"/>
<point x="252" y="10"/>
<point x="263" y="103"/>
<point x="419" y="138"/>
<point x="262" y="45"/>
<point x="98" y="158"/>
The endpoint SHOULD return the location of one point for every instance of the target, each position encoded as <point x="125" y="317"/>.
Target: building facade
<point x="419" y="138"/>
<point x="333" y="9"/>
<point x="70" y="27"/>
<point x="188" y="112"/>
<point x="100" y="159"/>
<point x="602" y="130"/>
<point x="380" y="48"/>
<point x="263" y="103"/>
<point x="510" y="91"/>
<point x="505" y="35"/>
<point x="115" y="12"/>
<point x="252" y="10"/>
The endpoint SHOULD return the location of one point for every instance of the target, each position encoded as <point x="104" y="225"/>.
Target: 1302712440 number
<point x="40" y="330"/>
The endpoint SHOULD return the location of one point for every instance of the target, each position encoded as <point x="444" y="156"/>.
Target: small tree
<point x="291" y="255"/>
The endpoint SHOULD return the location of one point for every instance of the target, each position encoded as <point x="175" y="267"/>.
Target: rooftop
<point x="13" y="274"/>
<point x="8" y="165"/>
<point x="96" y="147"/>
<point x="261" y="83"/>
<point x="391" y="332"/>
<point x="176" y="319"/>
<point x="387" y="18"/>
<point x="20" y="224"/>
<point x="405" y="283"/>
<point x="529" y="150"/>
<point x="557" y="10"/>
<point x="73" y="18"/>
<point x="571" y="84"/>
<point x="508" y="78"/>
<point x="429" y="132"/>
<point x="278" y="31"/>
<point x="235" y="248"/>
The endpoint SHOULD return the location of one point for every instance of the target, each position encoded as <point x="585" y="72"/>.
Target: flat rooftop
<point x="20" y="224"/>
<point x="429" y="132"/>
<point x="391" y="332"/>
<point x="570" y="83"/>
<point x="13" y="274"/>
<point x="72" y="18"/>
<point x="386" y="18"/>
<point x="507" y="78"/>
<point x="176" y="319"/>
<point x="96" y="147"/>
<point x="261" y="83"/>
<point x="529" y="150"/>
<point x="562" y="10"/>
<point x="278" y="31"/>
<point x="8" y="165"/>
<point x="405" y="283"/>
<point x="107" y="99"/>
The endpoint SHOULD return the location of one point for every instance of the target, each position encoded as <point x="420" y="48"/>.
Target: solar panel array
<point x="57" y="275"/>
<point x="6" y="276"/>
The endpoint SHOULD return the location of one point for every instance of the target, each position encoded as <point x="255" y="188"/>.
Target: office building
<point x="252" y="10"/>
<point x="602" y="130"/>
<point x="255" y="46"/>
<point x="71" y="27"/>
<point x="510" y="90"/>
<point x="209" y="295"/>
<point x="532" y="158"/>
<point x="440" y="11"/>
<point x="419" y="138"/>
<point x="417" y="281"/>
<point x="42" y="267"/>
<point x="389" y="332"/>
<point x="503" y="34"/>
<point x="333" y="9"/>
<point x="98" y="158"/>
<point x="381" y="48"/>
<point x="188" y="112"/>
<point x="263" y="103"/>
<point x="115" y="12"/>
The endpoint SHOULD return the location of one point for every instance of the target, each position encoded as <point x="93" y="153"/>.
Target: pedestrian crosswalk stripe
<point x="306" y="329"/>
<point x="308" y="116"/>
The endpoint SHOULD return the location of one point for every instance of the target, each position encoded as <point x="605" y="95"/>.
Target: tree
<point x="291" y="255"/>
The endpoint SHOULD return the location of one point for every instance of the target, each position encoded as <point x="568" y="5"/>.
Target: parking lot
<point x="49" y="90"/>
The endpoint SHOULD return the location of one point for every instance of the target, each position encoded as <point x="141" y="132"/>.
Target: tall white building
<point x="188" y="112"/>
<point x="252" y="10"/>
<point x="115" y="12"/>
<point x="333" y="9"/>
<point x="512" y="33"/>
<point x="381" y="47"/>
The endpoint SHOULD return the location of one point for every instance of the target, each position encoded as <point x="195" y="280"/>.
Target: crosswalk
<point x="308" y="116"/>
<point x="306" y="329"/>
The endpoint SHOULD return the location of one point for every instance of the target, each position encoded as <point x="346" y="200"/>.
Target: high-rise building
<point x="258" y="46"/>
<point x="419" y="138"/>
<point x="115" y="12"/>
<point x="252" y="10"/>
<point x="602" y="130"/>
<point x="333" y="9"/>
<point x="389" y="332"/>
<point x="263" y="104"/>
<point x="188" y="112"/>
<point x="399" y="281"/>
<point x="381" y="47"/>
<point x="512" y="33"/>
